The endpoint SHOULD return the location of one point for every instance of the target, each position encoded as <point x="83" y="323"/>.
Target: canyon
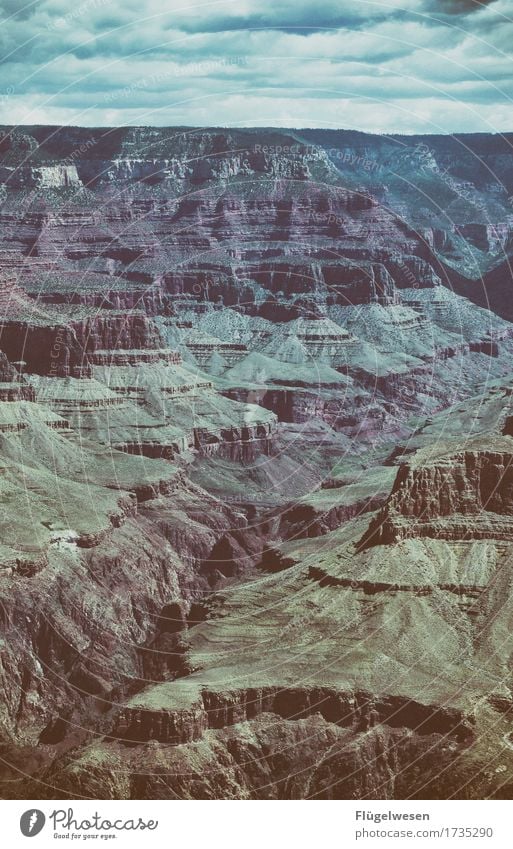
<point x="256" y="464"/>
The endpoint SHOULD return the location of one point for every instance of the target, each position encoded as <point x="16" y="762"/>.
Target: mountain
<point x="255" y="448"/>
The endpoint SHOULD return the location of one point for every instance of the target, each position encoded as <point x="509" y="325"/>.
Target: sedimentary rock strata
<point x="256" y="488"/>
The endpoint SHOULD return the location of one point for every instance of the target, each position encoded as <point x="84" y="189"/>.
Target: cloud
<point x="15" y="9"/>
<point x="458" y="7"/>
<point x="392" y="65"/>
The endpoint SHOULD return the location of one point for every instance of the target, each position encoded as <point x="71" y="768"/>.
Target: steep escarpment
<point x="307" y="758"/>
<point x="359" y="711"/>
<point x="452" y="495"/>
<point x="60" y="347"/>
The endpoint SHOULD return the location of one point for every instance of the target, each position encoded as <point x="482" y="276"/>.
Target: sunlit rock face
<point x="255" y="464"/>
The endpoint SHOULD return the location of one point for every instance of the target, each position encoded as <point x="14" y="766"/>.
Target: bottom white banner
<point x="248" y="824"/>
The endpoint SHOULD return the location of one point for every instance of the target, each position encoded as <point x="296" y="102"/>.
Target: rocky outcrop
<point x="59" y="348"/>
<point x="487" y="237"/>
<point x="242" y="444"/>
<point x="307" y="758"/>
<point x="463" y="495"/>
<point x="360" y="711"/>
<point x="45" y="177"/>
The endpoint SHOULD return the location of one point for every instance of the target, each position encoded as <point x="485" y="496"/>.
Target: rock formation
<point x="256" y="465"/>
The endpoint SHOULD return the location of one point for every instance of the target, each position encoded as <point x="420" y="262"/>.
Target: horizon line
<point x="199" y="127"/>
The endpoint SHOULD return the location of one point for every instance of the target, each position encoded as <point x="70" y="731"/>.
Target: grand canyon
<point x="256" y="482"/>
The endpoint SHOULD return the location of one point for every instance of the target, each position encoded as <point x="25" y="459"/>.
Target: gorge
<point x="256" y="482"/>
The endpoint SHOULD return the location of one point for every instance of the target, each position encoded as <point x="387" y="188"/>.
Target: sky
<point x="407" y="66"/>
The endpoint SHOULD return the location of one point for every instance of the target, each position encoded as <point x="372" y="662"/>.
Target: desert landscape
<point x="256" y="482"/>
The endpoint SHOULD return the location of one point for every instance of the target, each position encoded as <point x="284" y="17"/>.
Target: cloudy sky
<point x="395" y="65"/>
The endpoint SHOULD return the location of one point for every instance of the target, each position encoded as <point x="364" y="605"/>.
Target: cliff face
<point x="457" y="495"/>
<point x="255" y="465"/>
<point x="60" y="349"/>
<point x="359" y="711"/>
<point x="333" y="764"/>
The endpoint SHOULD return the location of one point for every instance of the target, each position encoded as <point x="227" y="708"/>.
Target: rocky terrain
<point x="256" y="482"/>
